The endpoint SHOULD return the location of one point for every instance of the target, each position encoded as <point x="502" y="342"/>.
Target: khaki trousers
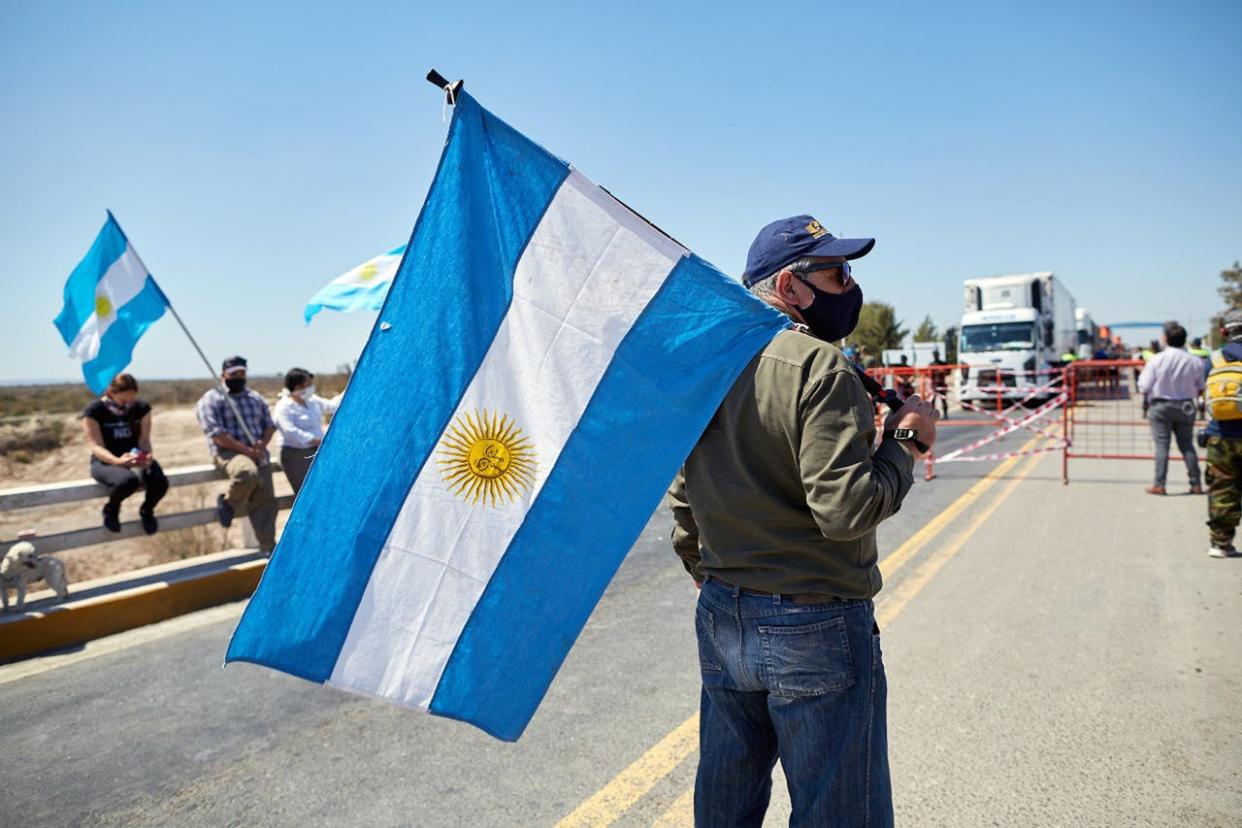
<point x="251" y="494"/>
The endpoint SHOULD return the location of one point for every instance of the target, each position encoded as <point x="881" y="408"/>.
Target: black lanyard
<point x="888" y="396"/>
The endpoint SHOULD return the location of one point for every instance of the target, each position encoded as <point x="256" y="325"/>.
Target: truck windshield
<point x="1003" y="336"/>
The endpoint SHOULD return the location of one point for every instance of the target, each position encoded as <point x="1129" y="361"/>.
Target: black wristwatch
<point x="911" y="434"/>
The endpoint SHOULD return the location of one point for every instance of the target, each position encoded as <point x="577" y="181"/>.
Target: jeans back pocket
<point x="710" y="660"/>
<point x="807" y="660"/>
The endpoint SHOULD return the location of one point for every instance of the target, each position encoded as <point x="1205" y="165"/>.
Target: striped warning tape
<point x="1012" y="425"/>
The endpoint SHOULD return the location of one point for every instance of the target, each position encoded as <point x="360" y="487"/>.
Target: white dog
<point x="22" y="565"/>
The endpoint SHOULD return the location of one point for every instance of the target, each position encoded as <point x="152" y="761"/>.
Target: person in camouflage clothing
<point x="1224" y="454"/>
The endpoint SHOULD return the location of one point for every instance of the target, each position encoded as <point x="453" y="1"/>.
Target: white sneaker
<point x="1227" y="552"/>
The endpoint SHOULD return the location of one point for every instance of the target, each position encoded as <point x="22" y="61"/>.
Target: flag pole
<point x="206" y="362"/>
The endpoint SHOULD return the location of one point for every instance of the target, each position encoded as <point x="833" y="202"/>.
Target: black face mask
<point x="833" y="316"/>
<point x="235" y="385"/>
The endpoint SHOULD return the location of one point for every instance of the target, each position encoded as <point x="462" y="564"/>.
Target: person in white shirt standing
<point x="1171" y="383"/>
<point x="299" y="417"/>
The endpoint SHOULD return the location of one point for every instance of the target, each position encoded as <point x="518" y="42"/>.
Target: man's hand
<point x="255" y="453"/>
<point x="918" y="414"/>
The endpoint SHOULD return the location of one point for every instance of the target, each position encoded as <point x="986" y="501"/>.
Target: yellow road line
<point x="915" y="581"/>
<point x="681" y="813"/>
<point x="915" y="543"/>
<point x="615" y="798"/>
<point x="628" y="787"/>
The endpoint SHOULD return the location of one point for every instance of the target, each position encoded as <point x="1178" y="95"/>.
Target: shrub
<point x="21" y="441"/>
<point x="27" y="400"/>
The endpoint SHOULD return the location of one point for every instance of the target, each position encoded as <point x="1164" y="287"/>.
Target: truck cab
<point x="1013" y="334"/>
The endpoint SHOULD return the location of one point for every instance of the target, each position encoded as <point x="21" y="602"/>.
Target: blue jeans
<point x="1176" y="419"/>
<point x="801" y="682"/>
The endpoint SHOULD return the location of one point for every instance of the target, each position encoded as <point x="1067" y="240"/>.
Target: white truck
<point x="1013" y="334"/>
<point x="1088" y="333"/>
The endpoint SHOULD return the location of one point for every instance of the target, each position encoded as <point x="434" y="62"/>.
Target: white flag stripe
<point x="123" y="280"/>
<point x="589" y="270"/>
<point x="381" y="267"/>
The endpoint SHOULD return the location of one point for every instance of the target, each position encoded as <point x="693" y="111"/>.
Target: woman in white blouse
<point x="299" y="416"/>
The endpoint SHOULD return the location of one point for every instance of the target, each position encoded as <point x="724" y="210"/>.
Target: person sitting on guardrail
<point x="1171" y="383"/>
<point x="775" y="514"/>
<point x="118" y="429"/>
<point x="299" y="417"/>
<point x="240" y="451"/>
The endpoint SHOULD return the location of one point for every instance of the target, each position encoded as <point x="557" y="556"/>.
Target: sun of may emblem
<point x="485" y="459"/>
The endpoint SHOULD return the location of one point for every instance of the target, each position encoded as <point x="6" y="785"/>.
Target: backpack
<point x="1224" y="388"/>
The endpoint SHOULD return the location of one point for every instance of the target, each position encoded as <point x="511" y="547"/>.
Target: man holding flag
<point x="530" y="432"/>
<point x="775" y="515"/>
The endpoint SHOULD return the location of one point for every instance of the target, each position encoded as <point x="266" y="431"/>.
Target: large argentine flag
<point x="110" y="300"/>
<point x="545" y="361"/>
<point x="362" y="288"/>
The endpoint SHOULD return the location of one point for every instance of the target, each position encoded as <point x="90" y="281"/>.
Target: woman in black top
<point x="118" y="427"/>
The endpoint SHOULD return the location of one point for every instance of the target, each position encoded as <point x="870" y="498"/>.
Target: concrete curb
<point x="112" y="605"/>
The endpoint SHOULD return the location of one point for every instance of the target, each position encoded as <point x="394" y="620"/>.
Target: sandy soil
<point x="177" y="442"/>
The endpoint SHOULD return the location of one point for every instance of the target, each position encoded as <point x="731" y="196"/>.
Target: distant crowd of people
<point x="238" y="425"/>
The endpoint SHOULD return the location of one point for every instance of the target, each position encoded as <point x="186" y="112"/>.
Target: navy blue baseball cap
<point x="233" y="362"/>
<point x="785" y="241"/>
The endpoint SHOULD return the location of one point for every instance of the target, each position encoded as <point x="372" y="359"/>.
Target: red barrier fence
<point x="1106" y="418"/>
<point x="1004" y="401"/>
<point x="1101" y="411"/>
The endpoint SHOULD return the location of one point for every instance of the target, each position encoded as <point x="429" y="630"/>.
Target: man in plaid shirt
<point x="243" y="457"/>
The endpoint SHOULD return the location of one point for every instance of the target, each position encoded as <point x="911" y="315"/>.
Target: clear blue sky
<point x="254" y="151"/>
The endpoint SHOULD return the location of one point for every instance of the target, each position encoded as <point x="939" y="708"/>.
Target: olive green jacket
<point x="783" y="493"/>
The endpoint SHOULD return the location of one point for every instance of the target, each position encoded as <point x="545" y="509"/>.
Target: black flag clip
<point x="451" y="89"/>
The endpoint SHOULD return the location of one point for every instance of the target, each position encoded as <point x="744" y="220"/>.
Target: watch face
<point x="904" y="433"/>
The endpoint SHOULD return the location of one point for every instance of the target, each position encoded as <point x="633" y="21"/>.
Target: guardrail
<point x="79" y="490"/>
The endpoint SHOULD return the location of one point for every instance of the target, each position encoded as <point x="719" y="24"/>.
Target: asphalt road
<point x="1046" y="666"/>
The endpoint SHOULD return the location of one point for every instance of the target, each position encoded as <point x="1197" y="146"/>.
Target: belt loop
<point x="776" y="599"/>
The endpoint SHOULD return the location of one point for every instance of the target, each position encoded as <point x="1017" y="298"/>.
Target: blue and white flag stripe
<point x="589" y="270"/>
<point x="593" y="349"/>
<point x="362" y="288"/>
<point x="110" y="301"/>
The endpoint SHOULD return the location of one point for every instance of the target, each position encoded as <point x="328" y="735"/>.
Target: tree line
<point x="879" y="330"/>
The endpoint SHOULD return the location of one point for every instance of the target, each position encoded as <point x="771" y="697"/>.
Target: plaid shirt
<point x="216" y="416"/>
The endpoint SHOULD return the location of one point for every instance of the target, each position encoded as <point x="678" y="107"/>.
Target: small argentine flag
<point x="362" y="288"/>
<point x="446" y="554"/>
<point x="110" y="301"/>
